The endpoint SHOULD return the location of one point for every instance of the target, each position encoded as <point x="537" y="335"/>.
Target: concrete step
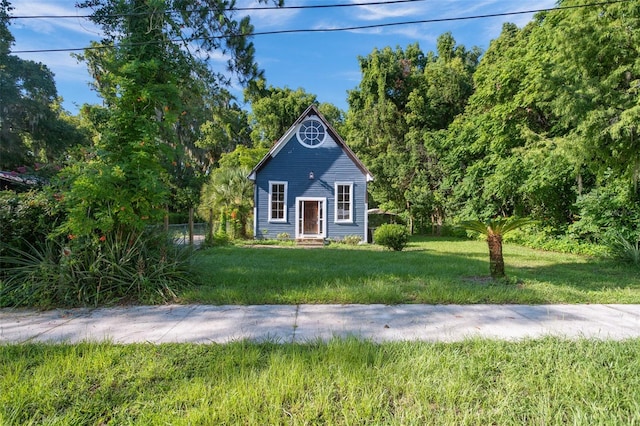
<point x="310" y="242"/>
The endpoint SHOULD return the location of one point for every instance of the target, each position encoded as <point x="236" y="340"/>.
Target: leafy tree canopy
<point x="274" y="110"/>
<point x="153" y="73"/>
<point x="396" y="117"/>
<point x="33" y="127"/>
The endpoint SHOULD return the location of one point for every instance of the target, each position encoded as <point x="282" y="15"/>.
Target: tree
<point x="406" y="99"/>
<point x="226" y="129"/>
<point x="33" y="126"/>
<point x="153" y="64"/>
<point x="553" y="117"/>
<point x="598" y="59"/>
<point x="274" y="110"/>
<point x="494" y="230"/>
<point x="229" y="195"/>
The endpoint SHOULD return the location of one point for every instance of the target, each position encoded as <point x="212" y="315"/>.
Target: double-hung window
<point x="344" y="202"/>
<point x="277" y="201"/>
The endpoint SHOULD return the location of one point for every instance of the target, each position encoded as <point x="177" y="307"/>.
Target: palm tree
<point x="228" y="194"/>
<point x="494" y="230"/>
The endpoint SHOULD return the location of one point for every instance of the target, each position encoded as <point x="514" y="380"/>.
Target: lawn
<point x="548" y="381"/>
<point x="430" y="270"/>
<point x="348" y="381"/>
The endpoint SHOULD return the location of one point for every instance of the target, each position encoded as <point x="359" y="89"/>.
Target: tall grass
<point x="547" y="381"/>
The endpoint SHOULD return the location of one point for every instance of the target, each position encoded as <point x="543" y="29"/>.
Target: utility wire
<point x="232" y="9"/>
<point x="351" y="28"/>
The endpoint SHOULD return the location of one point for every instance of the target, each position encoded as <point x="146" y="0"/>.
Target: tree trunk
<point x="496" y="261"/>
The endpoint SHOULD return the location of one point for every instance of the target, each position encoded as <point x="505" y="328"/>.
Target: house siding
<point x="293" y="163"/>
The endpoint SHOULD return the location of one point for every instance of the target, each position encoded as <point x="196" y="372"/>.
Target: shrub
<point x="392" y="236"/>
<point x="352" y="240"/>
<point x="625" y="249"/>
<point x="546" y="238"/>
<point x="144" y="268"/>
<point x="283" y="236"/>
<point x="27" y="218"/>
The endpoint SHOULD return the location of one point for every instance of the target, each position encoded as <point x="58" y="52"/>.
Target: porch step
<point x="310" y="242"/>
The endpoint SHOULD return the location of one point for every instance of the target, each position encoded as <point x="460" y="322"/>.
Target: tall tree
<point x="553" y="117"/>
<point x="273" y="111"/>
<point x="226" y="128"/>
<point x="32" y="124"/>
<point x="396" y="118"/>
<point x="153" y="65"/>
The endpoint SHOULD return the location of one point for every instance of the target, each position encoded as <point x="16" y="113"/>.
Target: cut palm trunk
<point x="496" y="261"/>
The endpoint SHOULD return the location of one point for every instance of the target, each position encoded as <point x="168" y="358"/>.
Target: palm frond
<point x="497" y="226"/>
<point x="475" y="225"/>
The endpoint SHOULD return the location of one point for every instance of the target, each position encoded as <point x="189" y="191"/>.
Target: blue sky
<point x="322" y="63"/>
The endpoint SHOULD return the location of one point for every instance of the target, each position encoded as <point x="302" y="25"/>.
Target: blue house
<point x="310" y="185"/>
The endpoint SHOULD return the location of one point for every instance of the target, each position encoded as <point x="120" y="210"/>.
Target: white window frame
<point x="317" y="121"/>
<point x="286" y="186"/>
<point x="335" y="201"/>
<point x="322" y="212"/>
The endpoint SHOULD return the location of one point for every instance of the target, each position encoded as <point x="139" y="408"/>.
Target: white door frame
<point x="322" y="217"/>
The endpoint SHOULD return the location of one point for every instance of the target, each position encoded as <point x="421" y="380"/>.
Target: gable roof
<point x="311" y="110"/>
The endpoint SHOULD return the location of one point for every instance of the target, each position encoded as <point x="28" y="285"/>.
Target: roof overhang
<point x="311" y="110"/>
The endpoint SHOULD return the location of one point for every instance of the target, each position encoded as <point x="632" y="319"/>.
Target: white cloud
<point x="379" y="13"/>
<point x="265" y="19"/>
<point x="52" y="25"/>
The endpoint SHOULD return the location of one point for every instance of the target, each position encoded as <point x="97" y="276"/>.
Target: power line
<point x="233" y="9"/>
<point x="435" y="20"/>
<point x="351" y="28"/>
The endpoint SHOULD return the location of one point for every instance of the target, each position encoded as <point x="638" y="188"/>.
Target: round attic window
<point x="312" y="133"/>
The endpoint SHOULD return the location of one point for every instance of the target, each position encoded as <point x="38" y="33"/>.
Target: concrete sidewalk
<point x="291" y="323"/>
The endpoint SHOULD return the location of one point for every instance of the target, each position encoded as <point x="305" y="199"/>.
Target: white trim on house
<point x="366" y="223"/>
<point x="255" y="212"/>
<point x="335" y="202"/>
<point x="282" y="219"/>
<point x="322" y="217"/>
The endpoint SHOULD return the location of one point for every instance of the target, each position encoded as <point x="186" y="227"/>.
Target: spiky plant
<point x="494" y="230"/>
<point x="626" y="249"/>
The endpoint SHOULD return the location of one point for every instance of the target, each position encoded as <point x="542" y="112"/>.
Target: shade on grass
<point x="430" y="270"/>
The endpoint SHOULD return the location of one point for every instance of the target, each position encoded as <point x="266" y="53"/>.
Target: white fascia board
<point x="283" y="141"/>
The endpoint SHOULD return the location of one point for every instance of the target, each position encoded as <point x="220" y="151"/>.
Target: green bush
<point x="392" y="236"/>
<point x="283" y="236"/>
<point x="607" y="211"/>
<point x="142" y="268"/>
<point x="546" y="238"/>
<point x="352" y="240"/>
<point x="27" y="218"/>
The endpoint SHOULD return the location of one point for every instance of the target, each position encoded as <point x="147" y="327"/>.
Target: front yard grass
<point x="430" y="270"/>
<point x="350" y="381"/>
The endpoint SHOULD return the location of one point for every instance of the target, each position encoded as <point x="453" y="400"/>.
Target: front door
<point x="310" y="218"/>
